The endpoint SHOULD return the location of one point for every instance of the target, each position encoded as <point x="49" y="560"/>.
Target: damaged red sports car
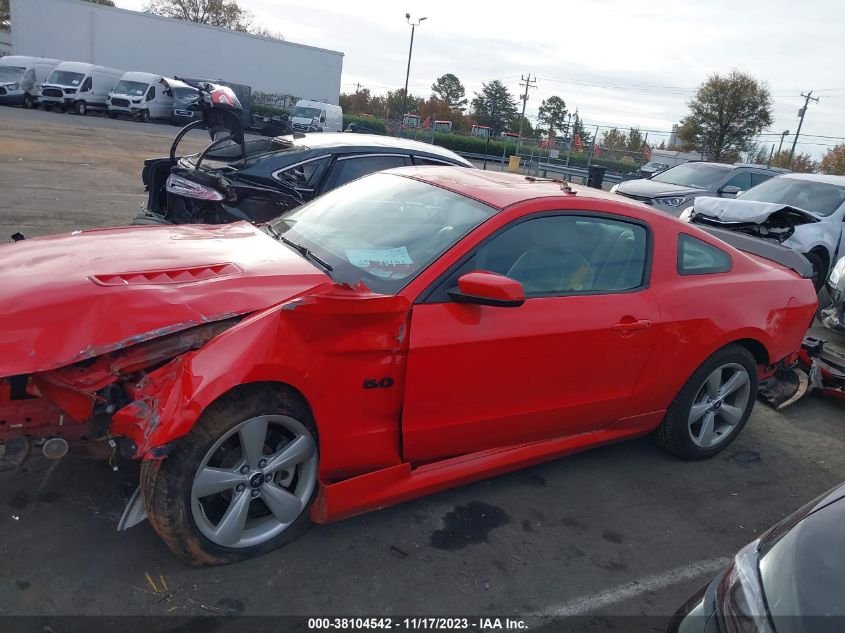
<point x="410" y="331"/>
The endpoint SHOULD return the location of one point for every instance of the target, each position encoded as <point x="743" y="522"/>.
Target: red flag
<point x="427" y="121"/>
<point x="577" y="142"/>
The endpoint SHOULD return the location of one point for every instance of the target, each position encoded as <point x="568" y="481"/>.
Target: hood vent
<point x="167" y="276"/>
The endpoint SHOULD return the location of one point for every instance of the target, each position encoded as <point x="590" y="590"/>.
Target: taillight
<point x="190" y="189"/>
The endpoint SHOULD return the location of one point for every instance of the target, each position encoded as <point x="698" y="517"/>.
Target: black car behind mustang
<point x="261" y="179"/>
<point x="791" y="580"/>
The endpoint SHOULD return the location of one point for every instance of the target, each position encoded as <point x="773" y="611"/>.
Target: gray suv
<point x="675" y="189"/>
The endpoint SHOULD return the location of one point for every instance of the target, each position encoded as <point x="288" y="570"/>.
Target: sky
<point x="621" y="63"/>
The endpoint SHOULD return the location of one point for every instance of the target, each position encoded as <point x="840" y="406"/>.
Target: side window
<point x="756" y="179"/>
<point x="348" y="169"/>
<point x="562" y="254"/>
<point x="422" y="160"/>
<point x="304" y="175"/>
<point x="86" y="85"/>
<point x="696" y="257"/>
<point x="741" y="180"/>
<point x="151" y="93"/>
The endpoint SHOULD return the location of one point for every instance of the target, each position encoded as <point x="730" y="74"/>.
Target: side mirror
<point x="488" y="289"/>
<point x="323" y="118"/>
<point x="730" y="190"/>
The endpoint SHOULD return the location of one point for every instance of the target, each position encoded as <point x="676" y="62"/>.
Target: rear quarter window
<point x="697" y="257"/>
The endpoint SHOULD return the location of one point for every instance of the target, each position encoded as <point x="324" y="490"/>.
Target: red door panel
<point x="482" y="377"/>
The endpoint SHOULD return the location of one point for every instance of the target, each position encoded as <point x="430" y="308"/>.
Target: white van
<point x="143" y="95"/>
<point x="316" y="116"/>
<point x="78" y="86"/>
<point x="21" y="78"/>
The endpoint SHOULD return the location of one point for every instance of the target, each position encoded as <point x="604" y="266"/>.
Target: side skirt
<point x="389" y="486"/>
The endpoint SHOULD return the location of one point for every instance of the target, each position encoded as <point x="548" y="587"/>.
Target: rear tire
<point x="193" y="513"/>
<point x="712" y="407"/>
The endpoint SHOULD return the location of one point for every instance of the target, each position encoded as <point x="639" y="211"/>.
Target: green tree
<point x="578" y="129"/>
<point x="833" y="161"/>
<point x="225" y="13"/>
<point x="449" y="89"/>
<point x="394" y="100"/>
<point x="552" y="115"/>
<point x="5" y="18"/>
<point x="635" y="140"/>
<point x="613" y="139"/>
<point x="528" y="130"/>
<point x="726" y="113"/>
<point x="494" y="106"/>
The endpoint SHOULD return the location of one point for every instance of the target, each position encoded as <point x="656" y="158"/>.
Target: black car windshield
<point x="382" y="230"/>
<point x="301" y="112"/>
<point x="820" y="198"/>
<point x="11" y="73"/>
<point x="65" y="78"/>
<point x="131" y="88"/>
<point x="185" y="93"/>
<point x="698" y="175"/>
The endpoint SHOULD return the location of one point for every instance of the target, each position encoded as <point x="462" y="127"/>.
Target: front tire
<point x="48" y="107"/>
<point x="712" y="407"/>
<point x="81" y="108"/>
<point x="240" y="483"/>
<point x="819" y="270"/>
<point x="144" y="116"/>
<point x="113" y="115"/>
<point x="28" y="103"/>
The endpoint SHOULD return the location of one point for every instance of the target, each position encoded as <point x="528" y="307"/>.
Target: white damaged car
<point x="805" y="212"/>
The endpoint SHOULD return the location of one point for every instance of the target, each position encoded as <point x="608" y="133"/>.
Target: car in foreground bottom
<point x="410" y="331"/>
<point x="791" y="580"/>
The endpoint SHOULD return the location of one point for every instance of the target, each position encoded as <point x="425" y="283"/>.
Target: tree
<point x="263" y="31"/>
<point x="803" y="163"/>
<point x="578" y="129"/>
<point x="834" y="161"/>
<point x="394" y="100"/>
<point x="528" y="130"/>
<point x="613" y="139"/>
<point x="5" y="16"/>
<point x="225" y="13"/>
<point x="635" y="140"/>
<point x="726" y="113"/>
<point x="450" y="91"/>
<point x="355" y="102"/>
<point x="494" y="106"/>
<point x="552" y="115"/>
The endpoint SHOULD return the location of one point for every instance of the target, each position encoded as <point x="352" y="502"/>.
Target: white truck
<point x="143" y="96"/>
<point x="78" y="86"/>
<point x="21" y="78"/>
<point x="316" y="116"/>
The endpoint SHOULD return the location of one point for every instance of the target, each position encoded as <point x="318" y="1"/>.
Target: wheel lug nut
<point x="262" y="463"/>
<point x="244" y="470"/>
<point x="254" y="493"/>
<point x="240" y="488"/>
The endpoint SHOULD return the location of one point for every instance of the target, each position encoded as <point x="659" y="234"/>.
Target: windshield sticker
<point x="386" y="257"/>
<point x="73" y="82"/>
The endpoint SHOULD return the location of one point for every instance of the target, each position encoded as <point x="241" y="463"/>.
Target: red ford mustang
<point x="411" y="331"/>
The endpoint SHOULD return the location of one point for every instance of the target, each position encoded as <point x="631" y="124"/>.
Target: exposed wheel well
<point x="822" y="254"/>
<point x="756" y="348"/>
<point x="281" y="386"/>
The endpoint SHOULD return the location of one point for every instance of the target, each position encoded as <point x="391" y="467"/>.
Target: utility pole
<point x="357" y="87"/>
<point x="414" y="25"/>
<point x="527" y="82"/>
<point x="807" y="98"/>
<point x="783" y="135"/>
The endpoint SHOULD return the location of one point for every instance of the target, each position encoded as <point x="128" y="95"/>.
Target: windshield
<point x="820" y="198"/>
<point x="65" y="78"/>
<point x="382" y="230"/>
<point x="302" y="112"/>
<point x="132" y="88"/>
<point x="185" y="93"/>
<point x="11" y="73"/>
<point x="696" y="175"/>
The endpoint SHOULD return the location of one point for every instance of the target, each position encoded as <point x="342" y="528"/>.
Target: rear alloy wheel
<point x="144" y="116"/>
<point x="712" y="407"/>
<point x="81" y="108"/>
<point x="240" y="484"/>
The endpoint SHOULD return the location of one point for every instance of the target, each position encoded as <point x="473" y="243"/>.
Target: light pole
<point x="414" y="25"/>
<point x="783" y="135"/>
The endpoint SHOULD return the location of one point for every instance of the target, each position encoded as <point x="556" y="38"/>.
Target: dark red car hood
<point x="79" y="295"/>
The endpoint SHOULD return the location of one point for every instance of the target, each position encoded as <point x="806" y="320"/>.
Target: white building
<point x="86" y="32"/>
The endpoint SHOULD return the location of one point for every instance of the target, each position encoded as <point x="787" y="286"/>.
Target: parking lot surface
<point x="623" y="529"/>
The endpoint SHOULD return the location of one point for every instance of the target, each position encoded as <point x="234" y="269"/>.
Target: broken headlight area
<point x="778" y="225"/>
<point x="77" y="402"/>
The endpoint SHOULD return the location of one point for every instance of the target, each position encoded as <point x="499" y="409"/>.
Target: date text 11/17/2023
<point x="418" y="623"/>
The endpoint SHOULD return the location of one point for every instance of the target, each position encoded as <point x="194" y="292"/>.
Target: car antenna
<point x="564" y="184"/>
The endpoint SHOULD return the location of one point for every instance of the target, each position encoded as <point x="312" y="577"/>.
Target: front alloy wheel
<point x="255" y="481"/>
<point x="241" y="482"/>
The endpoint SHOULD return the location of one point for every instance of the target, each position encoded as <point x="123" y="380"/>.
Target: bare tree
<point x="225" y="13"/>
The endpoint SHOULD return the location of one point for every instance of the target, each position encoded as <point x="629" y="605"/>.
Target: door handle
<point x="631" y="326"/>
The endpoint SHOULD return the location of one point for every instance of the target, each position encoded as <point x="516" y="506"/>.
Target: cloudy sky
<point x="620" y="62"/>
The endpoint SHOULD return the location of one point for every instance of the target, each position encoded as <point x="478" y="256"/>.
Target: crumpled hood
<point x="75" y="296"/>
<point x="732" y="211"/>
<point x="653" y="189"/>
